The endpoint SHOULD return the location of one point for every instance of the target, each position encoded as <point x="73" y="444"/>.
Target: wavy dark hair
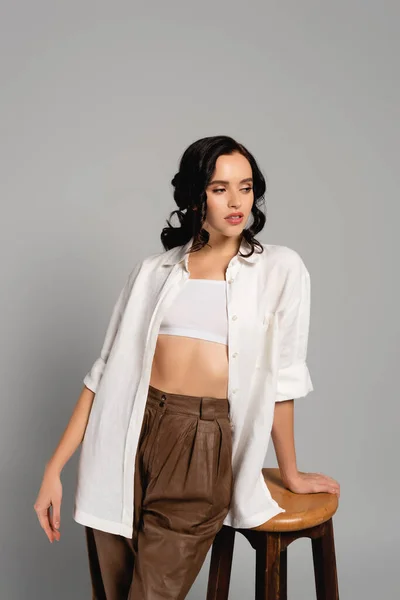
<point x="196" y="167"/>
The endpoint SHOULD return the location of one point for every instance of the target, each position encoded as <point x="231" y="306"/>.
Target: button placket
<point x="232" y="271"/>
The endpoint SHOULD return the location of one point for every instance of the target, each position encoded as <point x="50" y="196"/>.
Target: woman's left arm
<point x="282" y="435"/>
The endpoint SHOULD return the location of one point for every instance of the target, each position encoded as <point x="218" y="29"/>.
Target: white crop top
<point x="199" y="311"/>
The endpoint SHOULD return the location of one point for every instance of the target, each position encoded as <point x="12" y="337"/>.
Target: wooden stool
<point x="307" y="515"/>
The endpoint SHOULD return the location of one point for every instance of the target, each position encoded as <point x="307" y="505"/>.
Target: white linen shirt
<point x="268" y="309"/>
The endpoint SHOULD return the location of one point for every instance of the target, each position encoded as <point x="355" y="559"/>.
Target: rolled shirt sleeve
<point x="93" y="377"/>
<point x="294" y="380"/>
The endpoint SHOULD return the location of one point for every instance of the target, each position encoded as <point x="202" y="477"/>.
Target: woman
<point x="202" y="358"/>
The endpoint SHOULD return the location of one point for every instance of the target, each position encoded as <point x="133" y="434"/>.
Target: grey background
<point x="98" y="101"/>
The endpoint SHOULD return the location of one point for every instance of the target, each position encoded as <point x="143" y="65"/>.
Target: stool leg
<point x="221" y="564"/>
<point x="283" y="575"/>
<point x="323" y="548"/>
<point x="268" y="568"/>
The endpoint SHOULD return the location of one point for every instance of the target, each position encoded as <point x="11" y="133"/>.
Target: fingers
<point x="43" y="516"/>
<point x="55" y="517"/>
<point x="324" y="483"/>
<point x="328" y="484"/>
<point x="48" y="503"/>
<point x="47" y="522"/>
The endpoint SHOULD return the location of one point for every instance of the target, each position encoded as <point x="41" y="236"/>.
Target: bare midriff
<point x="192" y="366"/>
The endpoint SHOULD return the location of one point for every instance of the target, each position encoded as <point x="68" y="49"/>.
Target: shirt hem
<point x="88" y="520"/>
<point x="255" y="520"/>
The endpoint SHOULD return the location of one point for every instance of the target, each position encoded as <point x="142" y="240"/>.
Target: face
<point x="230" y="190"/>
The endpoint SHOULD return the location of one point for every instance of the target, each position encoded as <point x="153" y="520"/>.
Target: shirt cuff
<point x="92" y="378"/>
<point x="293" y="382"/>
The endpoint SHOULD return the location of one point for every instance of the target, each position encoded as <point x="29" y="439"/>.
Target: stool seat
<point x="302" y="510"/>
<point x="306" y="516"/>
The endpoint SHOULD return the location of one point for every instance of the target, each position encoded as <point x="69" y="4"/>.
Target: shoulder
<point x="288" y="260"/>
<point x="150" y="263"/>
<point x="157" y="259"/>
<point x="288" y="273"/>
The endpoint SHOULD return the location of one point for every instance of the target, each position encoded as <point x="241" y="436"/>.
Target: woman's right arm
<point x="50" y="493"/>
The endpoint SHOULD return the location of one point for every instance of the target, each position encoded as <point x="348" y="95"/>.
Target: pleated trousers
<point x="182" y="491"/>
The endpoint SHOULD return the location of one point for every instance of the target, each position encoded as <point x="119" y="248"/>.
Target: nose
<point x="234" y="202"/>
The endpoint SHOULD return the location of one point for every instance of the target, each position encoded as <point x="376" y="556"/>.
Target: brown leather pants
<point x="182" y="490"/>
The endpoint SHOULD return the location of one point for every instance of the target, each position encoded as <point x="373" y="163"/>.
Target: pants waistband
<point x="205" y="407"/>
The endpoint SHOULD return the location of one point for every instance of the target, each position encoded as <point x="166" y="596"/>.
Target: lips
<point x="234" y="220"/>
<point x="239" y="215"/>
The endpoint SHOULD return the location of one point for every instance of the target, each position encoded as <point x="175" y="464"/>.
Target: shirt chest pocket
<point x="263" y="347"/>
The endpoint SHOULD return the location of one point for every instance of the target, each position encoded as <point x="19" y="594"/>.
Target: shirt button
<point x="234" y="391"/>
<point x="230" y="280"/>
<point x="234" y="355"/>
<point x="234" y="317"/>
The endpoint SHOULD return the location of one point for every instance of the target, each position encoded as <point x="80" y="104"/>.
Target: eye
<point x="246" y="190"/>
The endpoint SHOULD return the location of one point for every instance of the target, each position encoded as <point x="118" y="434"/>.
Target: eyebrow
<point x="227" y="182"/>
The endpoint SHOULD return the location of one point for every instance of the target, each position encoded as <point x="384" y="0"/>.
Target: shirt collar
<point x="181" y="256"/>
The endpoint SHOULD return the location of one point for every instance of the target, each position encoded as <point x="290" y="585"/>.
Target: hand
<point x="50" y="494"/>
<point x="312" y="483"/>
